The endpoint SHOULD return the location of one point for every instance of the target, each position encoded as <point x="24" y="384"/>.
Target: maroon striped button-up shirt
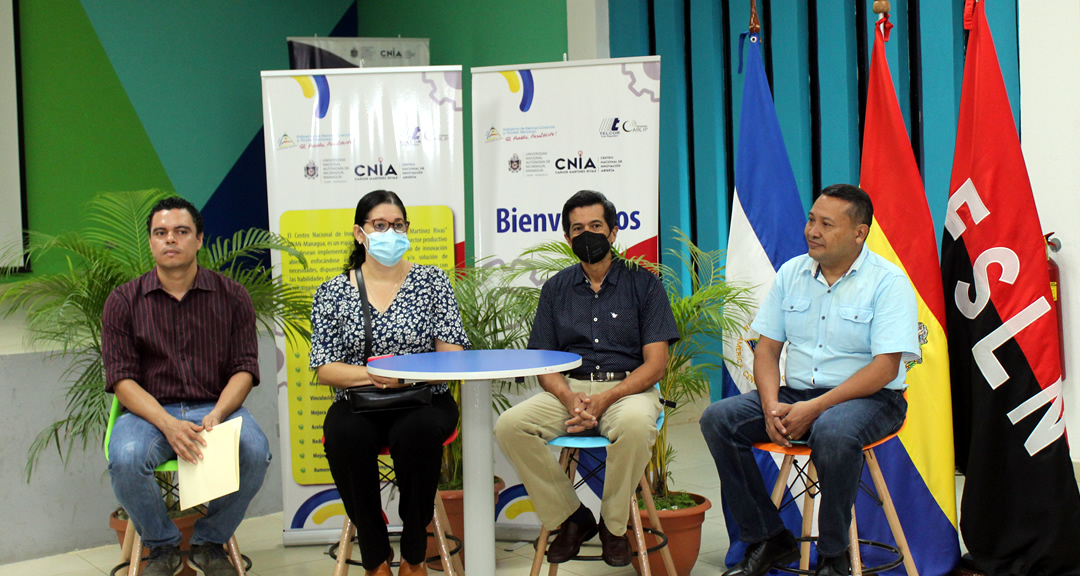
<point x="179" y="350"/>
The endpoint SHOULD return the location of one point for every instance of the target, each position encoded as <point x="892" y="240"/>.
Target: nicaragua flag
<point x="1020" y="512"/>
<point x="767" y="221"/>
<point x="918" y="466"/>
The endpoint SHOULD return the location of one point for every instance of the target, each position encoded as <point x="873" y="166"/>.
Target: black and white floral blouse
<point x="423" y="310"/>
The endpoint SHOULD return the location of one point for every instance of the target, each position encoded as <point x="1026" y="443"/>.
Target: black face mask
<point x="590" y="247"/>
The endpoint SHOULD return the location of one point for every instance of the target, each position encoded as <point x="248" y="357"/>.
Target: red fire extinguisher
<point x="1053" y="245"/>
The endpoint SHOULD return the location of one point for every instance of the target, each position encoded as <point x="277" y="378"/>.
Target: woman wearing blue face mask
<point x="411" y="309"/>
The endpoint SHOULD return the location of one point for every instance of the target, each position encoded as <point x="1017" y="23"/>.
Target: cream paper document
<point x="218" y="473"/>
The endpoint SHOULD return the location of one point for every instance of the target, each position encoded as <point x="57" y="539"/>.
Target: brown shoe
<point x="407" y="569"/>
<point x="614" y="549"/>
<point x="382" y="570"/>
<point x="568" y="543"/>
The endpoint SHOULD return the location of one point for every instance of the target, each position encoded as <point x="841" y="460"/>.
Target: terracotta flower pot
<point x="185" y="523"/>
<point x="683" y="530"/>
<point x="453" y="501"/>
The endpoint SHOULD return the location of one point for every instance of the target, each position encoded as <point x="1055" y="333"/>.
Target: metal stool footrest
<point x="123" y="565"/>
<point x="867" y="570"/>
<point x="332" y="551"/>
<point x="663" y="541"/>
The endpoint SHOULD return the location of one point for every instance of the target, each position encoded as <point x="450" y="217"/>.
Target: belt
<point x="598" y="376"/>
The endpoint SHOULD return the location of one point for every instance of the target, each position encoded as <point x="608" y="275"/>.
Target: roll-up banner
<point x="541" y="132"/>
<point x="330" y="138"/>
<point x="341" y="52"/>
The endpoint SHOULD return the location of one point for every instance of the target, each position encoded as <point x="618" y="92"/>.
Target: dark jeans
<point x="731" y="426"/>
<point x="415" y="438"/>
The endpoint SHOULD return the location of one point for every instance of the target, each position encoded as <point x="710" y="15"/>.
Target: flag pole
<point x="755" y="24"/>
<point x="882" y="8"/>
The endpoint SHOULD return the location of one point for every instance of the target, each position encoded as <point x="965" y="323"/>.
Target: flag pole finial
<point x="881" y="6"/>
<point x="755" y="24"/>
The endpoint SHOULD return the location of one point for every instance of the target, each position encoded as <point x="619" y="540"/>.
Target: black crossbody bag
<point x="371" y="398"/>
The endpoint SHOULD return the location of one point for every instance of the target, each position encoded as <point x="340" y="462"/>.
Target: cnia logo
<point x="374" y="170"/>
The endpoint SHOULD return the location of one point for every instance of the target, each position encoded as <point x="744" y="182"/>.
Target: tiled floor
<point x="260" y="538"/>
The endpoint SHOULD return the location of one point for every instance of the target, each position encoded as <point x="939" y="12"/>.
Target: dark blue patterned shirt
<point x="423" y="310"/>
<point x="609" y="328"/>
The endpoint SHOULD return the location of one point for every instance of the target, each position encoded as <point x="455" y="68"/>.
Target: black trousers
<point x="415" y="438"/>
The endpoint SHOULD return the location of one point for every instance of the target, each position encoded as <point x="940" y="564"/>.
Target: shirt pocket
<point x="853" y="329"/>
<point x="797" y="321"/>
<point x="620" y="329"/>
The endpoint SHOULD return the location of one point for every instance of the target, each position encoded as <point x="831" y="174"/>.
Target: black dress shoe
<point x="615" y="550"/>
<point x="834" y="566"/>
<point x="760" y="557"/>
<point x="568" y="543"/>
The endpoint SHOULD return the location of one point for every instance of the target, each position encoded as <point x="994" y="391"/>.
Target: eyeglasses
<point x="380" y="225"/>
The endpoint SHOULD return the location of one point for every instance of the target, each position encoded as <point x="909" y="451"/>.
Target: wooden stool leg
<point x="654" y="520"/>
<point x="890" y="512"/>
<point x="566" y="462"/>
<point x="344" y="551"/>
<point x="781" y="481"/>
<point x="234" y="555"/>
<point x="135" y="559"/>
<point x="808" y="515"/>
<point x="569" y="461"/>
<point x="129" y="539"/>
<point x="451" y="564"/>
<point x="639" y="537"/>
<point x="541" y="550"/>
<point x="853" y="546"/>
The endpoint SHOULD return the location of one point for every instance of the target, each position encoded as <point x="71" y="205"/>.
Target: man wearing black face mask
<point x="618" y="318"/>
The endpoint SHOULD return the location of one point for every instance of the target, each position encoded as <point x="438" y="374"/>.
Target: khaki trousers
<point x="629" y="424"/>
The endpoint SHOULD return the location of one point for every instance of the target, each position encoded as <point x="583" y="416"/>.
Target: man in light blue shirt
<point x="849" y="319"/>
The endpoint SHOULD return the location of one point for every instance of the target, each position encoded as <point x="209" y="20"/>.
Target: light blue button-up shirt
<point x="834" y="331"/>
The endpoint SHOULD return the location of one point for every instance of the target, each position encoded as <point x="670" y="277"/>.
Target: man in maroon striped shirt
<point x="180" y="353"/>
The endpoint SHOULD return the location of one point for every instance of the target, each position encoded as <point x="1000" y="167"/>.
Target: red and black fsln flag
<point x="1020" y="513"/>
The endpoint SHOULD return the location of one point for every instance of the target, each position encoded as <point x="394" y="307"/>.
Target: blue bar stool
<point x="568" y="458"/>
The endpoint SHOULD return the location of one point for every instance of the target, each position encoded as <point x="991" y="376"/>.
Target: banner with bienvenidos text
<point x="541" y="132"/>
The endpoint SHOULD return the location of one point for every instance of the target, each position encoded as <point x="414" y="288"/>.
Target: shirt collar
<point x="617" y="266"/>
<point x="815" y="267"/>
<point x="202" y="281"/>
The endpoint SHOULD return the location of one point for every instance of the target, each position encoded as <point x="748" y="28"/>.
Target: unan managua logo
<point x="515" y="164"/>
<point x="311" y="171"/>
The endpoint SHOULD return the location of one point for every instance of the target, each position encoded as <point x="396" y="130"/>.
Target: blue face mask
<point x="387" y="247"/>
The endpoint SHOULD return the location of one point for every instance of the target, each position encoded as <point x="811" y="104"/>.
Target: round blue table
<point x="476" y="368"/>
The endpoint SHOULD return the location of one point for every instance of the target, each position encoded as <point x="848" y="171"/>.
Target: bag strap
<point x="365" y="314"/>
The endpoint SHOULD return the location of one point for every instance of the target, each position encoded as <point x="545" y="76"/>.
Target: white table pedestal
<point x="479" y="473"/>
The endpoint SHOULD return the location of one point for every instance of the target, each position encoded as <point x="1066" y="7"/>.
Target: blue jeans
<point x="136" y="447"/>
<point x="732" y="425"/>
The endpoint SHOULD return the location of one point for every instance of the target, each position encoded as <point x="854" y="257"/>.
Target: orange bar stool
<point x="807" y="475"/>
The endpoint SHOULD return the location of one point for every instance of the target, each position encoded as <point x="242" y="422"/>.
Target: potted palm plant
<point x="703" y="311"/>
<point x="63" y="309"/>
